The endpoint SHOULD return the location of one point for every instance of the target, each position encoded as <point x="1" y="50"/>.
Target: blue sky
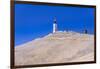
<point x="33" y="21"/>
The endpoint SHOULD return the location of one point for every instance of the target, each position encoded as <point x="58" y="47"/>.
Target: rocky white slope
<point x="59" y="47"/>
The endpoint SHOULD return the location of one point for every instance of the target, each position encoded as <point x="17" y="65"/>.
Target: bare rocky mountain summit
<point x="58" y="47"/>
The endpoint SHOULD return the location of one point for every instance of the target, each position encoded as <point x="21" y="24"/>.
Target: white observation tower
<point x="54" y="25"/>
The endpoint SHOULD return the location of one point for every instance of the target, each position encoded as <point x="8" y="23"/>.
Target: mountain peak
<point x="55" y="48"/>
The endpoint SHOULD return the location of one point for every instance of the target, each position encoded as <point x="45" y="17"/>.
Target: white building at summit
<point x="54" y="25"/>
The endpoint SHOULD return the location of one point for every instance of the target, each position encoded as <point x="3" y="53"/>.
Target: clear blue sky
<point x="33" y="21"/>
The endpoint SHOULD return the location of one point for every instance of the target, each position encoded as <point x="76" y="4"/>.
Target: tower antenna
<point x="54" y="25"/>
